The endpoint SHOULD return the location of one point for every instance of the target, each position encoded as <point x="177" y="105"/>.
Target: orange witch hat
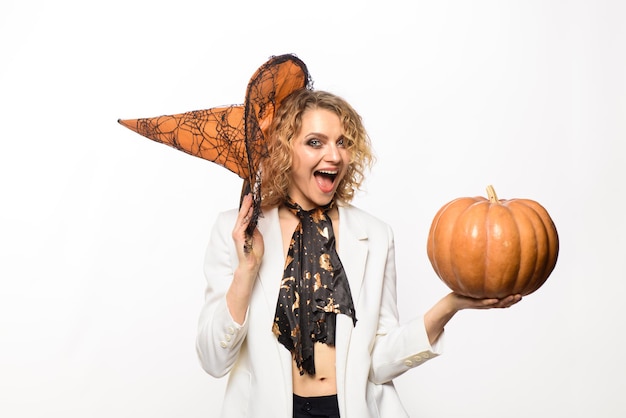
<point x="235" y="136"/>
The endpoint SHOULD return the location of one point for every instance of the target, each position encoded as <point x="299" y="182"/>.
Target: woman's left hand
<point x="439" y="315"/>
<point x="464" y="302"/>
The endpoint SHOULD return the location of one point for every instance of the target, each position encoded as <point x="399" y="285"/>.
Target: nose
<point x="332" y="153"/>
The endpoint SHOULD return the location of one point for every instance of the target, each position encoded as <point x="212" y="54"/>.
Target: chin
<point x="325" y="199"/>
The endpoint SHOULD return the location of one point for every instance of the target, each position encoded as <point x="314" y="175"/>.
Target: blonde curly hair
<point x="276" y="169"/>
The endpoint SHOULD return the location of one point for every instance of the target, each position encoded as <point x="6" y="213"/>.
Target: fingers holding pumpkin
<point x="508" y="301"/>
<point x="465" y="302"/>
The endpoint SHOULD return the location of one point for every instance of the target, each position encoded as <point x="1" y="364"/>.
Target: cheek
<point x="347" y="159"/>
<point x="298" y="169"/>
<point x="304" y="160"/>
<point x="296" y="163"/>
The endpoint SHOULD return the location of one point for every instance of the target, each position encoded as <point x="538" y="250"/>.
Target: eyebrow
<point x="316" y="134"/>
<point x="324" y="136"/>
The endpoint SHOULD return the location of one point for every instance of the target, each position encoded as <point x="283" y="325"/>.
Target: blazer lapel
<point x="270" y="276"/>
<point x="352" y="250"/>
<point x="271" y="271"/>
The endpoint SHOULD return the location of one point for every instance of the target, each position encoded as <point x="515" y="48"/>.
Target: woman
<point x="321" y="339"/>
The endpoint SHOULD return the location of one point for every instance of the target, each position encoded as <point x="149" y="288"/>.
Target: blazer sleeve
<point x="398" y="348"/>
<point x="219" y="337"/>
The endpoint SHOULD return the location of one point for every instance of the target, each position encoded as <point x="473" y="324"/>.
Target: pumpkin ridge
<point x="461" y="281"/>
<point x="487" y="245"/>
<point x="468" y="216"/>
<point x="518" y="244"/>
<point x="539" y="275"/>
<point x="543" y="271"/>
<point x="458" y="283"/>
<point x="522" y="253"/>
<point x="503" y="253"/>
<point x="525" y="278"/>
<point x="449" y="272"/>
<point x="543" y="268"/>
<point x="552" y="234"/>
<point x="491" y="281"/>
<point x="432" y="247"/>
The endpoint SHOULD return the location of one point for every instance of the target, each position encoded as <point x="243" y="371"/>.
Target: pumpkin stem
<point x="491" y="194"/>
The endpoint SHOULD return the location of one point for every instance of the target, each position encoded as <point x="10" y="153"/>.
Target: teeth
<point x="330" y="173"/>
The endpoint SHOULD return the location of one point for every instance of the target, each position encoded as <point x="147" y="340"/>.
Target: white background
<point x="102" y="231"/>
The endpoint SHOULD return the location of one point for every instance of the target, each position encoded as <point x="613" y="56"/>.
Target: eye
<point x="341" y="142"/>
<point x="314" y="142"/>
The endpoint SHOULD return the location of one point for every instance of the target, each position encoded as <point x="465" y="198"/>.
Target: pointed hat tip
<point x="128" y="123"/>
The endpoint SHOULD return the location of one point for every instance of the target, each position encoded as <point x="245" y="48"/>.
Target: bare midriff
<point x="324" y="382"/>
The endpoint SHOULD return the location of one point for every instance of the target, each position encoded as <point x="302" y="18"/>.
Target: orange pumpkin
<point x="490" y="248"/>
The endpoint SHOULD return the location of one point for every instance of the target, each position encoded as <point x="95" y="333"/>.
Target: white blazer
<point x="368" y="356"/>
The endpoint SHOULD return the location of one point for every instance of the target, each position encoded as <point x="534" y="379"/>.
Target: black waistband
<point x="326" y="406"/>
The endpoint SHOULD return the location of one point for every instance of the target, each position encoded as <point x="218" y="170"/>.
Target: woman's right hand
<point x="250" y="253"/>
<point x="249" y="249"/>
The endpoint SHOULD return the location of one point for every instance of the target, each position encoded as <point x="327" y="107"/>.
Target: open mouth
<point x="326" y="180"/>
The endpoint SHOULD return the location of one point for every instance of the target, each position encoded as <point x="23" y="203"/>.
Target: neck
<point x="289" y="203"/>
